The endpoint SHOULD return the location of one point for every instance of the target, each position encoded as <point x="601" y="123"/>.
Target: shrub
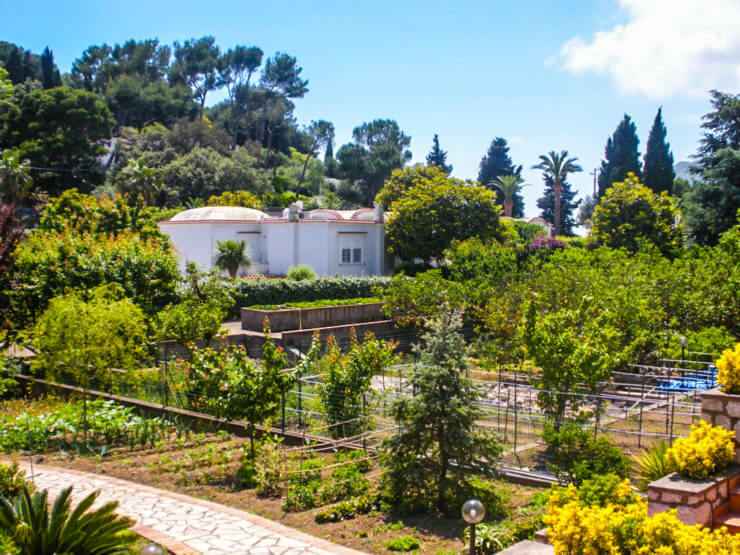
<point x="278" y="291"/>
<point x="729" y="370"/>
<point x="347" y="510"/>
<point x="300" y="273"/>
<point x="48" y="265"/>
<point x="13" y="480"/>
<point x="490" y="538"/>
<point x="578" y="456"/>
<point x="546" y="244"/>
<point x="403" y="543"/>
<point x="708" y="449"/>
<point x="651" y="464"/>
<point x="269" y="466"/>
<point x="577" y="524"/>
<point x="37" y="529"/>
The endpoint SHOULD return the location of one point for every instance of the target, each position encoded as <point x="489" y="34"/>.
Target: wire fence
<point x="635" y="409"/>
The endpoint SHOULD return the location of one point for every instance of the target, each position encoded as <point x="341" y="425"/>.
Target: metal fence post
<point x="642" y="402"/>
<point x="597" y="416"/>
<point x="364" y="420"/>
<point x="300" y="397"/>
<point x="282" y="411"/>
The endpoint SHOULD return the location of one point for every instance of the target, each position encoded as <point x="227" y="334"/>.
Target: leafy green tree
<point x="658" y="167"/>
<point x="575" y="351"/>
<point x="430" y="215"/>
<point x="237" y="198"/>
<point x="60" y="129"/>
<point x="138" y="103"/>
<point x="195" y="64"/>
<point x="139" y="179"/>
<point x="380" y="147"/>
<point x="6" y="90"/>
<point x="34" y="528"/>
<point x="404" y="179"/>
<point x="231" y="255"/>
<point x="347" y="378"/>
<point x="509" y="185"/>
<point x="497" y="163"/>
<point x="22" y="65"/>
<point x="568" y="206"/>
<point x="49" y="263"/>
<point x="556" y="167"/>
<point x="15" y="178"/>
<point x="621" y="156"/>
<point x="87" y="335"/>
<point x="437" y="449"/>
<point x="50" y="77"/>
<point x="438" y="157"/>
<point x="235" y="68"/>
<point x="629" y="214"/>
<point x="413" y="301"/>
<point x="321" y="133"/>
<point x="196" y="174"/>
<point x="204" y="301"/>
<point x="712" y="204"/>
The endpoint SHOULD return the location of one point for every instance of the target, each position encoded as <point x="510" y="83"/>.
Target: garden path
<point x="184" y="524"/>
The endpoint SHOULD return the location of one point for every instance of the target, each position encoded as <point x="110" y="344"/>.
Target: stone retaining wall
<point x="308" y="318"/>
<point x="721" y="409"/>
<point x="696" y="501"/>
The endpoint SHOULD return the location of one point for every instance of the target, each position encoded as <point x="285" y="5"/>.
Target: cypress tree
<point x="497" y="163"/>
<point x="49" y="73"/>
<point x="546" y="204"/>
<point x="330" y="165"/>
<point x="438" y="157"/>
<point x="658" y="168"/>
<point x="621" y="156"/>
<point x="14" y="66"/>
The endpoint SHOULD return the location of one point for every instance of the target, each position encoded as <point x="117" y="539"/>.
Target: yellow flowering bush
<point x="729" y="370"/>
<point x="708" y="449"/>
<point x="623" y="527"/>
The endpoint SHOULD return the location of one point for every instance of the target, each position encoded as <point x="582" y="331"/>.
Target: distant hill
<point x="682" y="170"/>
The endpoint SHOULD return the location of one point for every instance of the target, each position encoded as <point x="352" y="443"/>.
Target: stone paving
<point x="183" y="524"/>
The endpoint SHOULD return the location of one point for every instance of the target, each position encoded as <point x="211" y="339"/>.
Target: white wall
<point x="277" y="246"/>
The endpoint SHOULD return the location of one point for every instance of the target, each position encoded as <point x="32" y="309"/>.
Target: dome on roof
<point x="219" y="213"/>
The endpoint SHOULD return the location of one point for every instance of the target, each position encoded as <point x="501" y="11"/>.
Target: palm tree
<point x="138" y="178"/>
<point x="15" y="177"/>
<point x="230" y="255"/>
<point x="36" y="530"/>
<point x="557" y="166"/>
<point x="509" y="185"/>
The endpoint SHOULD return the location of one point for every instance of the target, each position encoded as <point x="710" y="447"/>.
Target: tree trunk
<point x="232" y="271"/>
<point x="557" y="190"/>
<point x="305" y="164"/>
<point x="508" y="207"/>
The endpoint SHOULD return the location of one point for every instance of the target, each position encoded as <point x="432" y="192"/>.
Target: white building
<point x="332" y="242"/>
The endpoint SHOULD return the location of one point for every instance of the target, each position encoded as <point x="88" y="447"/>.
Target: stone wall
<point x="309" y="318"/>
<point x="721" y="409"/>
<point x="696" y="501"/>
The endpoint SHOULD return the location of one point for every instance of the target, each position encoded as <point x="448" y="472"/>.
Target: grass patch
<point x="316" y="304"/>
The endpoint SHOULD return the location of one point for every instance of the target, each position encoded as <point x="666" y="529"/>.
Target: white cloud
<point x="665" y="48"/>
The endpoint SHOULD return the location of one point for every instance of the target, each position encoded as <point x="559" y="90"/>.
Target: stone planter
<point x="696" y="501"/>
<point x="722" y="409"/>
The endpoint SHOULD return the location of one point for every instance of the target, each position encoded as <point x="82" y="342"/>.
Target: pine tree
<point x="621" y="155"/>
<point x="49" y="73"/>
<point x="330" y="165"/>
<point x="658" y="168"/>
<point x="438" y="157"/>
<point x="431" y="457"/>
<point x="568" y="206"/>
<point x="497" y="163"/>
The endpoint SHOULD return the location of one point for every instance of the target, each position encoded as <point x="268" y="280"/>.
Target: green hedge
<point x="280" y="291"/>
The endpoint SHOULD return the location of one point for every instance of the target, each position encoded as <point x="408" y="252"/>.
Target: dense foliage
<point x="431" y="214"/>
<point x="707" y="450"/>
<point x="277" y="291"/>
<point x="89" y="337"/>
<point x="630" y="215"/>
<point x="729" y="370"/>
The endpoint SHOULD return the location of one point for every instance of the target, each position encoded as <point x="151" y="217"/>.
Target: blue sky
<point x="535" y="72"/>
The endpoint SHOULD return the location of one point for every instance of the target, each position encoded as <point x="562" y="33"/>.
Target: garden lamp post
<point x="151" y="550"/>
<point x="473" y="512"/>
<point x="682" y="340"/>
